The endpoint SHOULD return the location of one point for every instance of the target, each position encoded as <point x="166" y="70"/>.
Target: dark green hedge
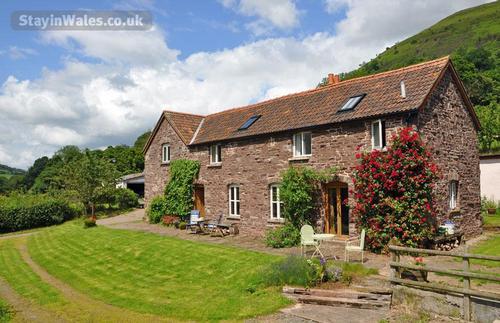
<point x="32" y="211"/>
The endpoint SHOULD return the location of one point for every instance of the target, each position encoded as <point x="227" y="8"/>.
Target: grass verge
<point x="153" y="274"/>
<point x="491" y="247"/>
<point x="6" y="313"/>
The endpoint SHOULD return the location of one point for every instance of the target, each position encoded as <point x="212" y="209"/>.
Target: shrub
<point x="156" y="209"/>
<point x="292" y="270"/>
<point x="169" y="220"/>
<point x="179" y="190"/>
<point x="125" y="198"/>
<point x="21" y="212"/>
<point x="297" y="190"/>
<point x="182" y="225"/>
<point x="282" y="237"/>
<point x="393" y="192"/>
<point x="89" y="222"/>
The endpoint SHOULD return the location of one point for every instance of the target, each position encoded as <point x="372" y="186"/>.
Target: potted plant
<point x="416" y="275"/>
<point x="490" y="206"/>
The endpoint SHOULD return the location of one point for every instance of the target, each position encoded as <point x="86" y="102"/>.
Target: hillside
<point x="470" y="28"/>
<point x="471" y="37"/>
<point x="6" y="171"/>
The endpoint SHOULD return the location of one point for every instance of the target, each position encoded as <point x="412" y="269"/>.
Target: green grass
<point x="24" y="281"/>
<point x="6" y="314"/>
<point x="153" y="274"/>
<point x="491" y="221"/>
<point x="491" y="247"/>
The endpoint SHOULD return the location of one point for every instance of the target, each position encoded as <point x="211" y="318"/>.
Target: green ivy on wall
<point x="179" y="189"/>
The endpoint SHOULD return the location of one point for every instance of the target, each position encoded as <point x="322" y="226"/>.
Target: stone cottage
<point x="242" y="151"/>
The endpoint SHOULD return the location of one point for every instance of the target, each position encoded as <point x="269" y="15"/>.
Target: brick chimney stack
<point x="333" y="79"/>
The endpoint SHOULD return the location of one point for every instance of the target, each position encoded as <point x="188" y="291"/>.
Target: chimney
<point x="333" y="79"/>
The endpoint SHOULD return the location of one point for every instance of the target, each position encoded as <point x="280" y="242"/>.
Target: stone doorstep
<point x="341" y="297"/>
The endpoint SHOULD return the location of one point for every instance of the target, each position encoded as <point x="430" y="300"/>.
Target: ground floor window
<point x="453" y="194"/>
<point x="234" y="200"/>
<point x="276" y="204"/>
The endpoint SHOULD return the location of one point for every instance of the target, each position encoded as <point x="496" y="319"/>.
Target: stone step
<point x="340" y="301"/>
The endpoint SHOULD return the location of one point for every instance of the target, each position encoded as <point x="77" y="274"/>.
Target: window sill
<point x="277" y="221"/>
<point x="233" y="217"/>
<point x="299" y="158"/>
<point x="455" y="211"/>
<point x="165" y="163"/>
<point x="214" y="165"/>
<point x="383" y="149"/>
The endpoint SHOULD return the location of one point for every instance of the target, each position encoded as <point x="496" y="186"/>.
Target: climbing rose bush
<point x="393" y="192"/>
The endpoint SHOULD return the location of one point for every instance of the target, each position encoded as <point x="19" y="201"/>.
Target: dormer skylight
<point x="352" y="102"/>
<point x="249" y="122"/>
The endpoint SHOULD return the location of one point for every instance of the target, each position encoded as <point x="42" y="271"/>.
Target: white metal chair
<point x="307" y="240"/>
<point x="349" y="247"/>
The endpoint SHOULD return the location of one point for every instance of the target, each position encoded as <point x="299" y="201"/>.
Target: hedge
<point x="21" y="212"/>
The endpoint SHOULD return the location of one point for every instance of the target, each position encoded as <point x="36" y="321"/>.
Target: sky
<point x="99" y="88"/>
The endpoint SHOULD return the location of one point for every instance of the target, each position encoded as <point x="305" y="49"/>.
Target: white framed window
<point x="302" y="144"/>
<point x="378" y="134"/>
<point x="234" y="200"/>
<point x="276" y="204"/>
<point x="453" y="188"/>
<point x="165" y="154"/>
<point x="215" y="154"/>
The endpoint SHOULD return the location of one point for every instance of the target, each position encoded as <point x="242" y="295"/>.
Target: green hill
<point x="6" y="171"/>
<point x="471" y="37"/>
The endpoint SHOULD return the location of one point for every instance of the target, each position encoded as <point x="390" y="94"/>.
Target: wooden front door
<point x="199" y="199"/>
<point x="336" y="213"/>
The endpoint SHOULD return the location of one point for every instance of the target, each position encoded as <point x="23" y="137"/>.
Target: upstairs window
<point x="378" y="134"/>
<point x="165" y="154"/>
<point x="302" y="143"/>
<point x="352" y="102"/>
<point x="249" y="122"/>
<point x="215" y="154"/>
<point x="234" y="200"/>
<point x="453" y="194"/>
<point x="276" y="204"/>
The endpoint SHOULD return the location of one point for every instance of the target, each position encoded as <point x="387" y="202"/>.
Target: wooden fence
<point x="465" y="274"/>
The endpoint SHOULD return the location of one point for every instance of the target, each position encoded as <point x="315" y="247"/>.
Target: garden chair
<point x="307" y="240"/>
<point x="349" y="247"/>
<point x="194" y="222"/>
<point x="217" y="227"/>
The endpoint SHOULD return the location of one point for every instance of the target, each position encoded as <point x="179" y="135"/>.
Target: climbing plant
<point x="393" y="192"/>
<point x="179" y="189"/>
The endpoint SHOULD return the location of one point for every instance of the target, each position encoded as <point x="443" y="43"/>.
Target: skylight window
<point x="352" y="102"/>
<point x="249" y="122"/>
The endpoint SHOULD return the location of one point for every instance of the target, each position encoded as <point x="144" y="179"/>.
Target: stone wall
<point x="448" y="129"/>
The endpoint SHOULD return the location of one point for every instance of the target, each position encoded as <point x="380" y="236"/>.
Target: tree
<point x="88" y="176"/>
<point x="393" y="192"/>
<point x="490" y="125"/>
<point x="35" y="170"/>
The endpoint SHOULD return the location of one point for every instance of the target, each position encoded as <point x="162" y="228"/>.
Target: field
<point x="101" y="274"/>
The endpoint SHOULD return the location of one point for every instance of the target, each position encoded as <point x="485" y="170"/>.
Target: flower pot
<point x="415" y="275"/>
<point x="492" y="211"/>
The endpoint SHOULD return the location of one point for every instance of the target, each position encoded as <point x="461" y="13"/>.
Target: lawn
<point x="491" y="246"/>
<point x="491" y="221"/>
<point x="5" y="312"/>
<point x="147" y="273"/>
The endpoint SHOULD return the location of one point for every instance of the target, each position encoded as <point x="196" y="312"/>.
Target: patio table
<point x="320" y="237"/>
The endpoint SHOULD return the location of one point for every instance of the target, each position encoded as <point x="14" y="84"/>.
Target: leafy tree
<point x="140" y="142"/>
<point x="490" y="125"/>
<point x="88" y="177"/>
<point x="34" y="171"/>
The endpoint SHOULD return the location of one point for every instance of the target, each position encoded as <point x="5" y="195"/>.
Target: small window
<point x="249" y="122"/>
<point x="234" y="200"/>
<point x="352" y="102"/>
<point x="378" y="134"/>
<point x="276" y="204"/>
<point x="165" y="154"/>
<point x="215" y="154"/>
<point x="453" y="194"/>
<point x="302" y="144"/>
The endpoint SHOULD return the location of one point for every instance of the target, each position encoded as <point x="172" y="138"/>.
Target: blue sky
<point x="100" y="88"/>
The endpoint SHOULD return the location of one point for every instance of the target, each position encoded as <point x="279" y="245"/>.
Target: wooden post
<point x="395" y="258"/>
<point x="466" y="267"/>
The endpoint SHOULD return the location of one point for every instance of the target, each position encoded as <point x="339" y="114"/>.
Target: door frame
<point x="326" y="205"/>
<point x="196" y="197"/>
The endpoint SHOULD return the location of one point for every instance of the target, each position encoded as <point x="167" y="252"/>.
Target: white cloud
<point x="120" y="96"/>
<point x="16" y="53"/>
<point x="281" y="14"/>
<point x="332" y="6"/>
